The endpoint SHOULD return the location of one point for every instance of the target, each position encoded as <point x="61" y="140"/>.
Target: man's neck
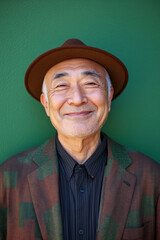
<point x="80" y="148"/>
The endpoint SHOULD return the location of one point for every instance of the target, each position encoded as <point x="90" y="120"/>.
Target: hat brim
<point x="37" y="70"/>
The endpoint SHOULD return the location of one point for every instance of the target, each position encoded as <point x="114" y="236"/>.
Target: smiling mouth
<point x="78" y="114"/>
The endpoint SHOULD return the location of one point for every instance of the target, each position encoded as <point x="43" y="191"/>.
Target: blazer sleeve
<point x="158" y="220"/>
<point x="3" y="211"/>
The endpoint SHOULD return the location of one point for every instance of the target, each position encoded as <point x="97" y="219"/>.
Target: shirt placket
<point x="80" y="203"/>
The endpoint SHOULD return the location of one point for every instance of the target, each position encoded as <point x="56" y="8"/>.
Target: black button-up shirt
<point x="80" y="190"/>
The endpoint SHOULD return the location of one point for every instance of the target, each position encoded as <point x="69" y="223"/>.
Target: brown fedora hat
<point x="74" y="48"/>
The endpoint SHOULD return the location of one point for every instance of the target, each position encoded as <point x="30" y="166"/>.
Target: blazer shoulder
<point x="24" y="158"/>
<point x="122" y="153"/>
<point x="135" y="155"/>
<point x="143" y="160"/>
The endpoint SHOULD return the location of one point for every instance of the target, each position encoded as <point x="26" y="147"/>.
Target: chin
<point x="79" y="132"/>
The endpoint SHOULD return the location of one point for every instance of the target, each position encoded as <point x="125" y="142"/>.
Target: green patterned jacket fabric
<point x="30" y="202"/>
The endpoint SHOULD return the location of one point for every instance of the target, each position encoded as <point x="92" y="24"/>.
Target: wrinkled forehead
<point x="75" y="65"/>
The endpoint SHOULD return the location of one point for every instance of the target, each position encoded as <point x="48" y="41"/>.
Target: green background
<point x="130" y="29"/>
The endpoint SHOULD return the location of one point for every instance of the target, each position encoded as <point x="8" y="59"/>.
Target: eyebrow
<point x="59" y="75"/>
<point x="92" y="73"/>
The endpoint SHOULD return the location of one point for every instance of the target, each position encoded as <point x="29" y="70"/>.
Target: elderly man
<point x="80" y="184"/>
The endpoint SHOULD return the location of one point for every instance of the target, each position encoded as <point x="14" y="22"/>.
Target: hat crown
<point x="73" y="42"/>
<point x="74" y="48"/>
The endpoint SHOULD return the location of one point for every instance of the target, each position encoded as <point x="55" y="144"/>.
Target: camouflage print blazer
<point x="29" y="196"/>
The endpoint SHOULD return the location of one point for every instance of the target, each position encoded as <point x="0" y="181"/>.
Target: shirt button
<point x="82" y="190"/>
<point x="81" y="232"/>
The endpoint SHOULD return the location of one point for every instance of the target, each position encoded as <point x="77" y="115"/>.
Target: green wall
<point x="130" y="29"/>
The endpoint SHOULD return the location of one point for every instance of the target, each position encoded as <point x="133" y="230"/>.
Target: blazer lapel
<point x="117" y="191"/>
<point x="44" y="188"/>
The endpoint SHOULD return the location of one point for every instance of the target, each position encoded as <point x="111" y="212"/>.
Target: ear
<point x="110" y="99"/>
<point x="45" y="103"/>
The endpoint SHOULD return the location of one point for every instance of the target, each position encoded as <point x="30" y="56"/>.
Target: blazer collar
<point x="48" y="150"/>
<point x="45" y="152"/>
<point x="118" y="153"/>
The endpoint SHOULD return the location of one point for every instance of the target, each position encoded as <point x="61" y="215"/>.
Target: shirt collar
<point x="96" y="160"/>
<point x="65" y="160"/>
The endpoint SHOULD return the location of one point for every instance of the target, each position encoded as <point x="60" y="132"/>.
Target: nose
<point x="77" y="96"/>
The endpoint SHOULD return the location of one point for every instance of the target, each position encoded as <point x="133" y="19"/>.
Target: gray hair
<point x="44" y="89"/>
<point x="108" y="81"/>
<point x="109" y="84"/>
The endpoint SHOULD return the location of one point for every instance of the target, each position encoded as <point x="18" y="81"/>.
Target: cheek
<point x="56" y="102"/>
<point x="100" y="99"/>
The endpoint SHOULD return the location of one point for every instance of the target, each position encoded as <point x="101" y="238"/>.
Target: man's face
<point x="77" y="97"/>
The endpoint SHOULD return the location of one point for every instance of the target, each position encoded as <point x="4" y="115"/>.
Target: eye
<point x="91" y="84"/>
<point x="61" y="86"/>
